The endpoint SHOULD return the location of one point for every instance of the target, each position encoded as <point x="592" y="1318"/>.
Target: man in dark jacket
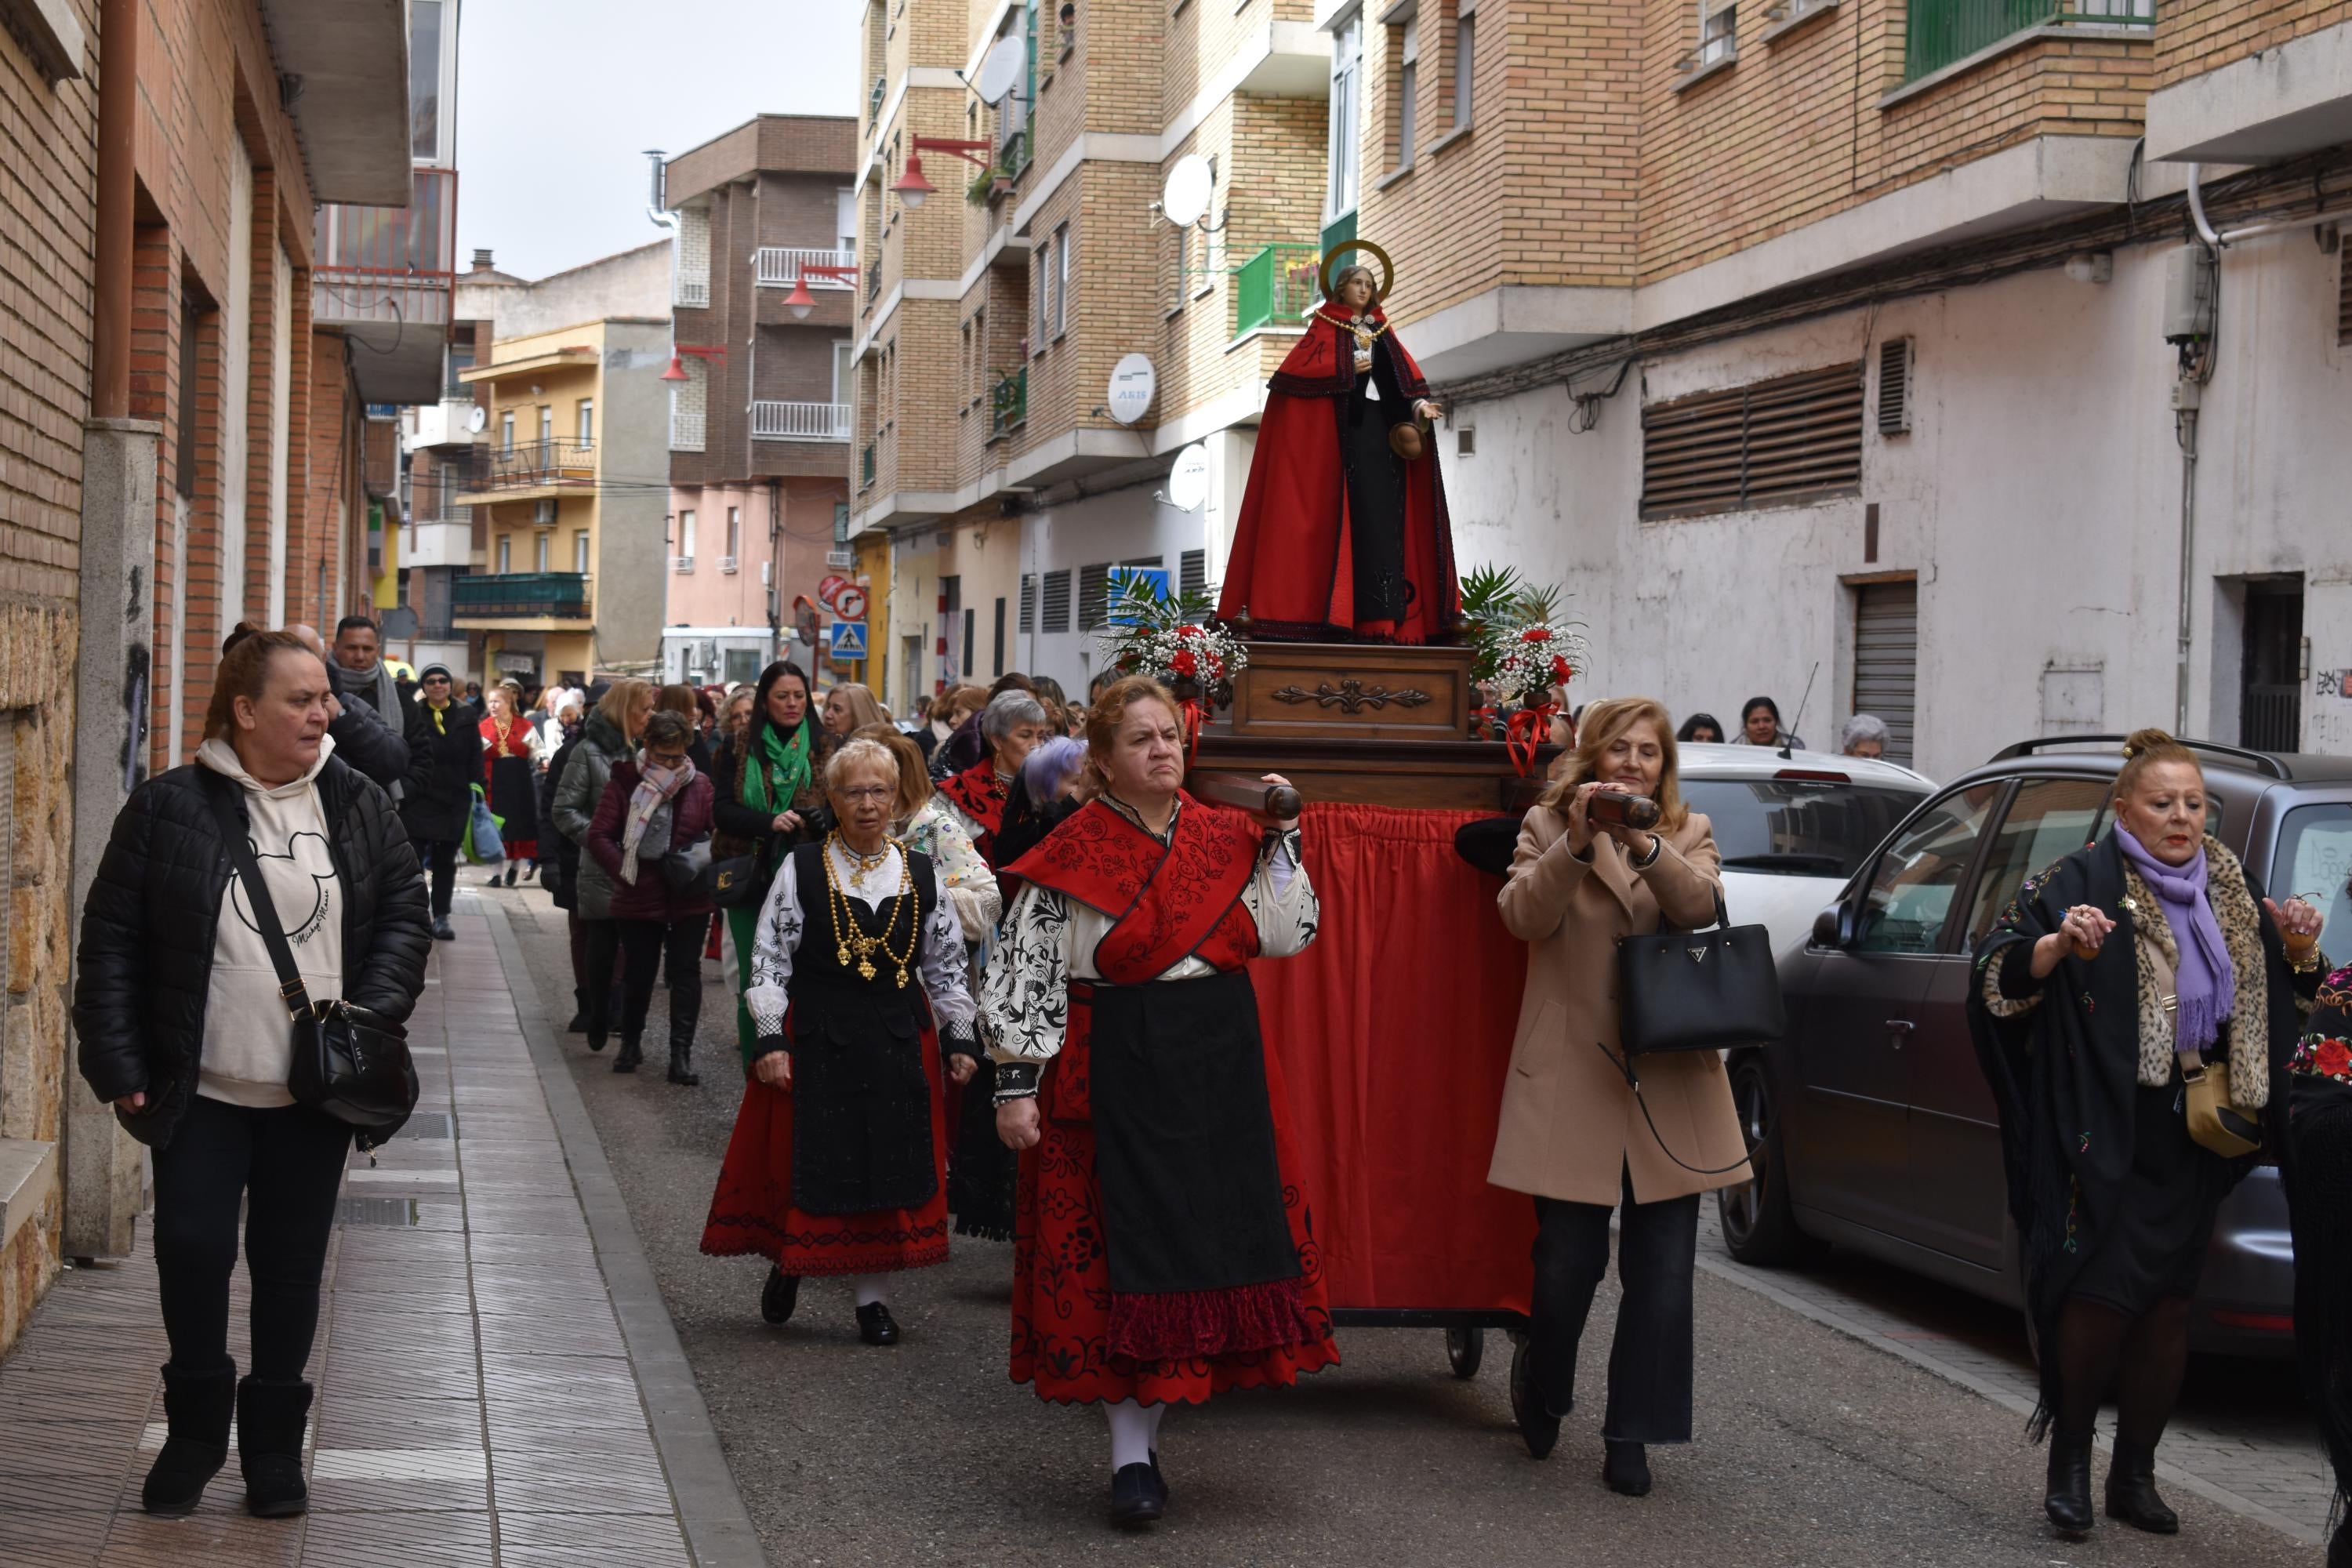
<point x="447" y="762"/>
<point x="365" y="739"/>
<point x="362" y="680"/>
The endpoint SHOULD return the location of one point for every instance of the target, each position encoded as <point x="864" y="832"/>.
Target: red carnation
<point x="1535" y="634"/>
<point x="1562" y="670"/>
<point x="2333" y="1057"/>
<point x="1184" y="664"/>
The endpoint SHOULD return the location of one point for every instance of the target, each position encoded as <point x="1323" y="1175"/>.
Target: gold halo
<point x="1388" y="268"/>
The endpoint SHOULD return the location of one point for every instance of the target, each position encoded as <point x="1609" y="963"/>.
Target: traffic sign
<point x="848" y="641"/>
<point x="850" y="603"/>
<point x="827" y="590"/>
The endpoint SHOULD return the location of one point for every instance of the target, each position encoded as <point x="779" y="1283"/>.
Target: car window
<point x="1916" y="880"/>
<point x="1798" y="827"/>
<point x="2047" y="820"/>
<point x="2314" y="858"/>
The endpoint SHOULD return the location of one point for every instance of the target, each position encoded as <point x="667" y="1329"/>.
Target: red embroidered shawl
<point x="1169" y="901"/>
<point x="979" y="793"/>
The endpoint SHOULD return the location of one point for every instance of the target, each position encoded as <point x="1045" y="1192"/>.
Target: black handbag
<point x="1698" y="990"/>
<point x="351" y="1063"/>
<point x="689" y="870"/>
<point x="738" y="883"/>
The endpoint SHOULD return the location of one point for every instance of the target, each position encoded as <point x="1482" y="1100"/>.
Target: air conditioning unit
<point x="727" y="564"/>
<point x="681" y="562"/>
<point x="542" y="512"/>
<point x="841" y="558"/>
<point x="765" y="567"/>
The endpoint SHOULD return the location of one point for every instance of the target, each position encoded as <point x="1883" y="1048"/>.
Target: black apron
<point x="861" y="1097"/>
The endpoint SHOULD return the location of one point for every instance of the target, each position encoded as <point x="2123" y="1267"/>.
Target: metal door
<point x="1886" y="660"/>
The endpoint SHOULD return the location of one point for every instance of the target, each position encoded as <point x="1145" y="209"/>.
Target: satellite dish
<point x="1188" y="481"/>
<point x="477" y="419"/>
<point x="1132" y="385"/>
<point x="1000" y="69"/>
<point x="1185" y="197"/>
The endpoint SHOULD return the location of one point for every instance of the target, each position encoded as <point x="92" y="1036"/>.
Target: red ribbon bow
<point x="1529" y="728"/>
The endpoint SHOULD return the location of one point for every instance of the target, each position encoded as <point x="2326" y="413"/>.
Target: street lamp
<point x="911" y="187"/>
<point x="800" y="302"/>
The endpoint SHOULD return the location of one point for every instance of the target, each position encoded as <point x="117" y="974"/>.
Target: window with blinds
<point x="1193" y="573"/>
<point x="1056" y="611"/>
<point x="1093" y="596"/>
<point x="1029" y="602"/>
<point x="1775" y="443"/>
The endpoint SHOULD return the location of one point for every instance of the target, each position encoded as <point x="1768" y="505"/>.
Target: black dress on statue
<point x="1376" y="488"/>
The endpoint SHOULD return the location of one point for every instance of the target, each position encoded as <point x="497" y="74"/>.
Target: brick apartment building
<point x="759" y="427"/>
<point x="185" y="445"/>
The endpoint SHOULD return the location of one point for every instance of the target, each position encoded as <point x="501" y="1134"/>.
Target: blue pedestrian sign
<point x="848" y="641"/>
<point x="1149" y="581"/>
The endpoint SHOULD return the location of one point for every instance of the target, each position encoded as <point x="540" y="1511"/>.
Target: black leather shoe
<point x="197" y="1409"/>
<point x="579" y="1025"/>
<point x="632" y="1053"/>
<point x="441" y="929"/>
<point x="1538" y="1427"/>
<point x="2131" y="1491"/>
<point x="876" y="1326"/>
<point x="1137" y="1497"/>
<point x="2068" y="1502"/>
<point x="779" y="1296"/>
<point x="681" y="1063"/>
<point x="1626" y="1467"/>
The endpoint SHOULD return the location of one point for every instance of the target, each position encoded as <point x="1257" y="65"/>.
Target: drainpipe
<point x="118" y="113"/>
<point x="2189" y="386"/>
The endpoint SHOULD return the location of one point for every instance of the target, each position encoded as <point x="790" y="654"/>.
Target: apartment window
<point x="1056" y="613"/>
<point x="998" y="667"/>
<point x="1028" y="603"/>
<point x="506" y="553"/>
<point x="1093" y="596"/>
<point x="539" y="546"/>
<point x="686" y="535"/>
<point x="690" y="406"/>
<point x="424" y="80"/>
<point x="546" y="424"/>
<point x="1466" y="55"/>
<point x="1044" y="288"/>
<point x="1061" y="280"/>
<point x="845" y="225"/>
<point x="580" y="550"/>
<point x="1013" y="113"/>
<point x="1408" y="88"/>
<point x="1797" y="438"/>
<point x="840" y="524"/>
<point x="1718" y="31"/>
<point x="965" y="667"/>
<point x="506" y="431"/>
<point x="1347" y="97"/>
<point x="734" y="532"/>
<point x="192" y="333"/>
<point x="587" y="422"/>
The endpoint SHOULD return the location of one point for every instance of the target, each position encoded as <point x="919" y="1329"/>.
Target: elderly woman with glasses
<point x="838" y="1162"/>
<point x="1010" y="726"/>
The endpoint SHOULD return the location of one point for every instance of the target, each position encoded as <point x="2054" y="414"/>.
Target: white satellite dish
<point x="1185" y="197"/>
<point x="477" y="419"/>
<point x="1132" y="385"/>
<point x="1000" y="69"/>
<point x="1188" y="481"/>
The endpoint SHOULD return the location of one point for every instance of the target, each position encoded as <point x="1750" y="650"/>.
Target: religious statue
<point x="1343" y="533"/>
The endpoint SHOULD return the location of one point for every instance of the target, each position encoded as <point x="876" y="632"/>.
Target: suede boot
<point x="197" y="1406"/>
<point x="2068" y="1502"/>
<point x="2131" y="1491"/>
<point x="271" y="1419"/>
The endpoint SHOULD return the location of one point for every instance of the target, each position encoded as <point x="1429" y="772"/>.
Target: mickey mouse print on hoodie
<point x="247" y="1049"/>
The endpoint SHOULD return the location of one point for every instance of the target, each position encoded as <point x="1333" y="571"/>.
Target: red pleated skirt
<point x="1061" y="1278"/>
<point x="751" y="1210"/>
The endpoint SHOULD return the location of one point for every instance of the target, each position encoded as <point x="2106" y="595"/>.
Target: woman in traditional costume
<point x="1009" y="727"/>
<point x="2110" y="979"/>
<point x="838" y="1162"/>
<point x="769" y="803"/>
<point x="1163" y="1251"/>
<point x="510" y="748"/>
<point x="2316" y="1161"/>
<point x="1343" y="534"/>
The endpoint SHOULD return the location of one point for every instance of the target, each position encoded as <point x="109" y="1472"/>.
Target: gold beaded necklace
<point x="1365" y="331"/>
<point x="845" y="918"/>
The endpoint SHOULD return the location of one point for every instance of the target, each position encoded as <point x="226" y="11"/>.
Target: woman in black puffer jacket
<point x="176" y="1005"/>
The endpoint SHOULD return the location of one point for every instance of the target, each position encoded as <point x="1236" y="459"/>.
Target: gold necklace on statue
<point x="844" y="920"/>
<point x="1365" y="331"/>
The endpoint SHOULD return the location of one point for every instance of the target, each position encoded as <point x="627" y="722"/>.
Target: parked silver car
<point x="1875" y="1128"/>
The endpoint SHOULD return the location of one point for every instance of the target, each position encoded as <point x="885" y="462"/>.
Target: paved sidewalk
<point x="478" y="1403"/>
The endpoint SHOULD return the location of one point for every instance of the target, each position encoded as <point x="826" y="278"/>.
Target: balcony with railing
<point x="779" y="266"/>
<point x="528" y="470"/>
<point x="773" y="421"/>
<point x="1276" y="288"/>
<point x="478" y="599"/>
<point x="1946" y="32"/>
<point x="385" y="276"/>
<point x="1008" y="402"/>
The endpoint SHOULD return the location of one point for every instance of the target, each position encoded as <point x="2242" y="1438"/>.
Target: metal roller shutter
<point x="1886" y="660"/>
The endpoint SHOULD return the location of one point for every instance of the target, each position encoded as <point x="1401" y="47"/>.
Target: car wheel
<point x="1760" y="1226"/>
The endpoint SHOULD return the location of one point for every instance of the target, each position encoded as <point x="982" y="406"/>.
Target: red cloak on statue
<point x="1292" y="567"/>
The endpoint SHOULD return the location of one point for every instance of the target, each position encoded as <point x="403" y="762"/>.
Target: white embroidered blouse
<point x="1048" y="940"/>
<point x="938" y="961"/>
<point x="938" y="831"/>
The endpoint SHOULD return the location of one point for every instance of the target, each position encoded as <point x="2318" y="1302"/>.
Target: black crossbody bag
<point x="349" y="1063"/>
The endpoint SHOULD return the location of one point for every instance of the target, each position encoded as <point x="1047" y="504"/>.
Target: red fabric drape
<point x="1395" y="1031"/>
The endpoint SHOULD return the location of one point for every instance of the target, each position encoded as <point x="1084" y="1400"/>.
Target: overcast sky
<point x="558" y="100"/>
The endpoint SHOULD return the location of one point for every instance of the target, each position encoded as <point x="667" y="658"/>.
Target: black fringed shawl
<point x="2063" y="1075"/>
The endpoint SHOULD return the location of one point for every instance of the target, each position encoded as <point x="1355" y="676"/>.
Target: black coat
<point x="559" y="875"/>
<point x="149" y="928"/>
<point x="443" y="767"/>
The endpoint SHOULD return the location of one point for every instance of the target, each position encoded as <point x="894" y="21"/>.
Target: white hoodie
<point x="247" y="1051"/>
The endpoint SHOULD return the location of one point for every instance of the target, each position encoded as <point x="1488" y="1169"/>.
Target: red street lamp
<point x="800" y="302"/>
<point x="677" y="371"/>
<point x="911" y="187"/>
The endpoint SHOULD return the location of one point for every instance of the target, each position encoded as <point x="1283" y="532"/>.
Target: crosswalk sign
<point x="848" y="641"/>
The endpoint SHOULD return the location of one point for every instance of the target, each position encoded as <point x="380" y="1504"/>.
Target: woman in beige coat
<point x="1574" y="1133"/>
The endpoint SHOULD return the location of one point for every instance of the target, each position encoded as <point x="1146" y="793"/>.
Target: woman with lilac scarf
<point x="2151" y="943"/>
<point x="657" y="805"/>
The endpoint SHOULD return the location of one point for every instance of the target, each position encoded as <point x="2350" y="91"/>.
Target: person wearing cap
<point x="442" y="766"/>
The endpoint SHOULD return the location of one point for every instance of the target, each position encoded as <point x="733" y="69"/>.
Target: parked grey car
<point x="1877" y="1131"/>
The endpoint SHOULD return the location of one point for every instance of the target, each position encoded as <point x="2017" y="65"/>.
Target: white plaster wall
<point x="2037" y="500"/>
<point x="1121" y="525"/>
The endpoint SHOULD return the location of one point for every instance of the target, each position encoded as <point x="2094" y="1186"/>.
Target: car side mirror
<point x="1831" y="928"/>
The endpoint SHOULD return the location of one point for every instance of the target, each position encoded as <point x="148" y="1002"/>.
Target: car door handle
<point x="1901" y="1026"/>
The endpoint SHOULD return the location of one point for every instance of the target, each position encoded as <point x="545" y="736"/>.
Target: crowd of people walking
<point x="961" y="951"/>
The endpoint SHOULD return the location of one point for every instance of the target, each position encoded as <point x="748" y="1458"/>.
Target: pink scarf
<point x="655" y="787"/>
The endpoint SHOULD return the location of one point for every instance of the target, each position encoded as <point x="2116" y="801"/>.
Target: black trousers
<point x="286" y="1164"/>
<point x="1650" y="1360"/>
<point x="648" y="946"/>
<point x="440" y="857"/>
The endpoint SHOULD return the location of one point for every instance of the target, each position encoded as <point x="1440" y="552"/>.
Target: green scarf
<point x="774" y="776"/>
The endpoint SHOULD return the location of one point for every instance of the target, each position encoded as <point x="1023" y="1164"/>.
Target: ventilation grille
<point x="2343" y="292"/>
<point x="1193" y="573"/>
<point x="1894" y="388"/>
<point x="377" y="1212"/>
<point x="1029" y="602"/>
<point x="1798" y="437"/>
<point x="1058" y="601"/>
<point x="1093" y="596"/>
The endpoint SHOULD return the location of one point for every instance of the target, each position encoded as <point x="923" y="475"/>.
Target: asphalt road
<point x="1812" y="1447"/>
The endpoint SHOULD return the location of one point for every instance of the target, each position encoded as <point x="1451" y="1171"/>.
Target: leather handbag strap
<point x="2167" y="988"/>
<point x="290" y="989"/>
